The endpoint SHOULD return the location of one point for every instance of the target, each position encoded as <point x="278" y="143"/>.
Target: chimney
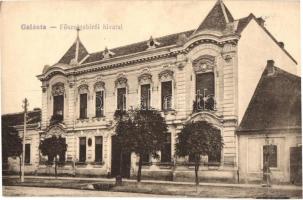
<point x="270" y="67"/>
<point x="261" y="21"/>
<point x="281" y="44"/>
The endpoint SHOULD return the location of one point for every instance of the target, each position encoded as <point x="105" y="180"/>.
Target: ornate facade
<point x="189" y="76"/>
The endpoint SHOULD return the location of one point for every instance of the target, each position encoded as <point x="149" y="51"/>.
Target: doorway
<point x="296" y="165"/>
<point x="120" y="160"/>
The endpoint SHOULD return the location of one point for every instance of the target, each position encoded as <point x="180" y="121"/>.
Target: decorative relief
<point x="56" y="131"/>
<point x="83" y="89"/>
<point x="145" y="79"/>
<point x="58" y="89"/>
<point x="121" y="81"/>
<point x="100" y="85"/>
<point x="204" y="63"/>
<point x="166" y="75"/>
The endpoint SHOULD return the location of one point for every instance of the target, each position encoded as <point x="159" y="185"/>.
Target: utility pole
<point x="25" y="104"/>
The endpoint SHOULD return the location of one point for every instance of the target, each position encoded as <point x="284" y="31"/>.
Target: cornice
<point x="147" y="56"/>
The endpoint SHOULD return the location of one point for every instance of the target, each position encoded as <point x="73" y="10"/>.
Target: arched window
<point x="205" y="83"/>
<point x="58" y="99"/>
<point x="83" y="95"/>
<point x="121" y="86"/>
<point x="166" y="79"/>
<point x="145" y="82"/>
<point x="99" y="98"/>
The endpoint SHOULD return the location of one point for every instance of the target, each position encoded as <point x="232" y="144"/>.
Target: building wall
<point x="255" y="48"/>
<point x="32" y="138"/>
<point x="251" y="155"/>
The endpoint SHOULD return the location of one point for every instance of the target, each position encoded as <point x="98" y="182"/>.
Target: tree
<point x="197" y="139"/>
<point x="53" y="148"/>
<point x="11" y="144"/>
<point x="142" y="132"/>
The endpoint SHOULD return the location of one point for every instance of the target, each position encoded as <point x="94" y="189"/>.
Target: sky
<point x="25" y="52"/>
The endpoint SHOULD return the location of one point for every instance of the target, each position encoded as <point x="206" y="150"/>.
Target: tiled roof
<point x="216" y="20"/>
<point x="138" y="47"/>
<point x="276" y="103"/>
<point x="71" y="53"/>
<point x="18" y="118"/>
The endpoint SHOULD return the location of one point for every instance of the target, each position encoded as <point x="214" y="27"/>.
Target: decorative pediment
<point x="100" y="85"/>
<point x="58" y="89"/>
<point x="83" y="89"/>
<point x="145" y="78"/>
<point x="56" y="130"/>
<point x="121" y="81"/>
<point x="206" y="116"/>
<point x="205" y="63"/>
<point x="166" y="75"/>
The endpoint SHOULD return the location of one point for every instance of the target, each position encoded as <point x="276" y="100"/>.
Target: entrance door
<point x="296" y="165"/>
<point x="120" y="160"/>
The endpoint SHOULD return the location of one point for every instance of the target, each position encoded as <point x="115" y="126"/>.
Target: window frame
<point x="149" y="96"/>
<point x="86" y="106"/>
<point x="103" y="99"/>
<point x="124" y="99"/>
<point x="85" y="153"/>
<point x="102" y="149"/>
<point x="172" y="95"/>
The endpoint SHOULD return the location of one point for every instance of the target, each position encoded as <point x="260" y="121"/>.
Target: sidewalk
<point x="112" y="180"/>
<point x="155" y="187"/>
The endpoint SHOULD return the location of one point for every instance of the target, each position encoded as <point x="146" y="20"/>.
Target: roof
<point x="276" y="103"/>
<point x="139" y="47"/>
<point x="243" y="22"/>
<point x="77" y="50"/>
<point x="15" y="119"/>
<point x="217" y="18"/>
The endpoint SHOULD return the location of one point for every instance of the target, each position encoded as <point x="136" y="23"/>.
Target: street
<point x="40" y="191"/>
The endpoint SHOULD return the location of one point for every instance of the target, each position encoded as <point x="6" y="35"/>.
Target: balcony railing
<point x="204" y="103"/>
<point x="56" y="119"/>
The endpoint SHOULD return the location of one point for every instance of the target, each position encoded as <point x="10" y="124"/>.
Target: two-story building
<point x="209" y="73"/>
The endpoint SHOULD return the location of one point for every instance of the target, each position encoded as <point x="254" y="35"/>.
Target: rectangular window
<point x="27" y="159"/>
<point x="58" y="105"/>
<point x="121" y="99"/>
<point x="145" y="96"/>
<point x="98" y="148"/>
<point x="205" y="91"/>
<point x="166" y="95"/>
<point x="83" y="106"/>
<point x="166" y="151"/>
<point x="99" y="103"/>
<point x="270" y="155"/>
<point x="82" y="149"/>
<point x="145" y="158"/>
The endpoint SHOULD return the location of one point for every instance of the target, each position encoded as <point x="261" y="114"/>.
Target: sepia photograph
<point x="161" y="98"/>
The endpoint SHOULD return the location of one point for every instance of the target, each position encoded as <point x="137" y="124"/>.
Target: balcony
<point x="204" y="103"/>
<point x="56" y="119"/>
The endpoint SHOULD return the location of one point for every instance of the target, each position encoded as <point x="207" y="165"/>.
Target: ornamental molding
<point x="145" y="78"/>
<point x="121" y="81"/>
<point x="205" y="63"/>
<point x="83" y="89"/>
<point x="100" y="85"/>
<point x="206" y="116"/>
<point x="166" y="75"/>
<point x="105" y="64"/>
<point x="55" y="130"/>
<point x="58" y="89"/>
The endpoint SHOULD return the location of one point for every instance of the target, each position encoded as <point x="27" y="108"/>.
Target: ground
<point x="38" y="191"/>
<point x="69" y="186"/>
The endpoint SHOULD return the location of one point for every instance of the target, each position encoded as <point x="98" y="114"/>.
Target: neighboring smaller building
<point x="16" y="121"/>
<point x="271" y="127"/>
